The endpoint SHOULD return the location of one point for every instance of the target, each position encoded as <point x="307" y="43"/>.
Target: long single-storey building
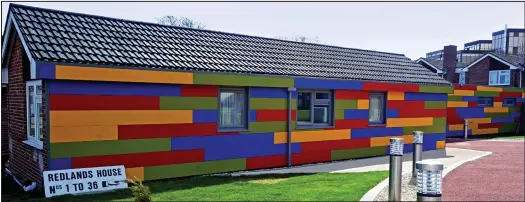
<point x="165" y="101"/>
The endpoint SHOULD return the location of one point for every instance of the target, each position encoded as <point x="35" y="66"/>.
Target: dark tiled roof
<point x="439" y="63"/>
<point x="515" y="60"/>
<point x="78" y="38"/>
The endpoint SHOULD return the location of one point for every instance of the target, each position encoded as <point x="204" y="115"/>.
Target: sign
<point x="84" y="180"/>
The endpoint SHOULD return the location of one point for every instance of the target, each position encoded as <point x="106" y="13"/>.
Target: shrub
<point x="140" y="191"/>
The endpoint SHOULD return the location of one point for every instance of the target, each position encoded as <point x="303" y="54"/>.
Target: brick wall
<point x="449" y="63"/>
<point x="25" y="162"/>
<point x="479" y="73"/>
<point x="5" y="145"/>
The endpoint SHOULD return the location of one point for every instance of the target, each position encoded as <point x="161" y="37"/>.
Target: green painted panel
<point x="268" y="126"/>
<point x="242" y="80"/>
<point x="439" y="126"/>
<point x="435" y="104"/>
<point x="358" y="153"/>
<point x="486" y="93"/>
<point x="96" y="148"/>
<point x="508" y="127"/>
<point x="271" y="103"/>
<point x="339" y="114"/>
<point x="514" y="109"/>
<point x="436" y="89"/>
<point x="455" y="98"/>
<point x="513" y="90"/>
<point x="345" y="104"/>
<point x="172" y="102"/>
<point x="189" y="169"/>
<point x="498" y="114"/>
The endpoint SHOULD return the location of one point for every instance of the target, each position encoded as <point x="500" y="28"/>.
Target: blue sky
<point x="400" y="27"/>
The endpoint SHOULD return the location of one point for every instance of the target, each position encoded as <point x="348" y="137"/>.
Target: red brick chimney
<point x="449" y="63"/>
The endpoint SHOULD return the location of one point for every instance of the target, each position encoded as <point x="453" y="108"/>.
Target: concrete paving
<point x="447" y="156"/>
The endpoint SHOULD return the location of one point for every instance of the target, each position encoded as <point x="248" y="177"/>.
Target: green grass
<point x="286" y="187"/>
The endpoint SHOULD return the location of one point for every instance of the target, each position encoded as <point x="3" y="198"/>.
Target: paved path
<point x="496" y="177"/>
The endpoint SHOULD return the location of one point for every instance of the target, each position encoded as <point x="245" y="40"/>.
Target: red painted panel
<point x="167" y="130"/>
<point x="199" y="91"/>
<point x="414" y="113"/>
<point x="273" y="115"/>
<point x="498" y="99"/>
<point x="346" y="124"/>
<point x="465" y="87"/>
<point x="518" y="104"/>
<point x="351" y="95"/>
<point x="510" y="94"/>
<point x="517" y="119"/>
<point x="311" y="157"/>
<point x="490" y="125"/>
<point x="405" y="104"/>
<point x="103" y="102"/>
<point x="265" y="162"/>
<point x="335" y="145"/>
<point x="375" y="86"/>
<point x="472" y="104"/>
<point x="140" y="159"/>
<point x="453" y="117"/>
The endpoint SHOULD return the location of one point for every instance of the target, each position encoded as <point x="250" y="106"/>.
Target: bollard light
<point x="418" y="137"/>
<point x="396" y="157"/>
<point x="429" y="180"/>
<point x="417" y="154"/>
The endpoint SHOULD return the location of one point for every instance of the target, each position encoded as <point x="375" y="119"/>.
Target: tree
<point x="301" y="39"/>
<point x="180" y="21"/>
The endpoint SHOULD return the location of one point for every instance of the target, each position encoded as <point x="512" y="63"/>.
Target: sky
<point x="410" y="28"/>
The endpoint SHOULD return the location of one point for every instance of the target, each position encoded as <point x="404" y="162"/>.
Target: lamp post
<point x="396" y="162"/>
<point x="429" y="177"/>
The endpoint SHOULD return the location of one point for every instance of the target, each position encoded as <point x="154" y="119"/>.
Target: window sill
<point x="377" y="124"/>
<point x="301" y="127"/>
<point x="499" y="84"/>
<point x="35" y="144"/>
<point x="223" y="130"/>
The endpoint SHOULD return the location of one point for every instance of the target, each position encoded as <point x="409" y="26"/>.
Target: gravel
<point x="408" y="191"/>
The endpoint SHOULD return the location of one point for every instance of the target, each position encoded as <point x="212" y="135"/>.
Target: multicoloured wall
<point x="165" y="124"/>
<point x="499" y="118"/>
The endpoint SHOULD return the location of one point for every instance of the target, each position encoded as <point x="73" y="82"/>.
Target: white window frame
<point x="314" y="101"/>
<point x="37" y="99"/>
<point x="498" y="74"/>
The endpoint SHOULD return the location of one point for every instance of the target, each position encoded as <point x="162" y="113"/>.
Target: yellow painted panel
<point x="498" y="104"/>
<point x="457" y="104"/>
<point x="126" y="75"/>
<point x="491" y="89"/>
<point x="479" y="120"/>
<point x="119" y="117"/>
<point x="385" y="141"/>
<point x="464" y="92"/>
<point x="396" y="96"/>
<point x="313" y="136"/>
<point x="496" y="109"/>
<point x="456" y="127"/>
<point x="483" y="131"/>
<point x="363" y="104"/>
<point x="137" y="172"/>
<point x="403" y="122"/>
<point x="280" y="137"/>
<point x="83" y="133"/>
<point x="440" y="144"/>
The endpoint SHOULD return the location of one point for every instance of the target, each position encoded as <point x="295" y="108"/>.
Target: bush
<point x="140" y="191"/>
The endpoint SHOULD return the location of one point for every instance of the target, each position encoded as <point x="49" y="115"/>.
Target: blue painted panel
<point x="356" y="114"/>
<point x="392" y="113"/>
<point x="429" y="140"/>
<point x="233" y="146"/>
<point x="407" y="148"/>
<point x="520" y="99"/>
<point x="426" y="96"/>
<point x="458" y="133"/>
<point x="253" y="115"/>
<point x="205" y="116"/>
<point x="515" y="114"/>
<point x="470" y="98"/>
<point x="262" y="92"/>
<point x="60" y="164"/>
<point x="375" y="132"/>
<point x="471" y="113"/>
<point x="328" y="84"/>
<point x="502" y="120"/>
<point x="112" y="88"/>
<point x="46" y="70"/>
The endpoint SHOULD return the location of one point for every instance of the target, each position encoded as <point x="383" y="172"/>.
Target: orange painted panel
<point x="83" y="133"/>
<point x="457" y="104"/>
<point x="440" y="144"/>
<point x="385" y="141"/>
<point x="313" y="136"/>
<point x="363" y="104"/>
<point x="137" y="172"/>
<point x="396" y="95"/>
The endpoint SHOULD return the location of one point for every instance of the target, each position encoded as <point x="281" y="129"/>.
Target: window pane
<point x="493" y="77"/>
<point x="32" y="111"/>
<point x="376" y="108"/>
<point x="41" y="121"/>
<point x="304" y="100"/>
<point x="321" y="114"/>
<point x="232" y="108"/>
<point x="322" y="96"/>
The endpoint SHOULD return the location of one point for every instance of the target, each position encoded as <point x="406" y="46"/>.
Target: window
<point x="233" y="109"/>
<point x="314" y="108"/>
<point x="509" y="102"/>
<point x="499" y="77"/>
<point x="485" y="102"/>
<point x="35" y="122"/>
<point x="376" y="113"/>
<point x="462" y="77"/>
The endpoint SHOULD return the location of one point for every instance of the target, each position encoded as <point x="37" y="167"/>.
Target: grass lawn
<point x="288" y="187"/>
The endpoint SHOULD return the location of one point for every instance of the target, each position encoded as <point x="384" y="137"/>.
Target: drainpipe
<point x="289" y="135"/>
<point x="521" y="76"/>
<point x="26" y="188"/>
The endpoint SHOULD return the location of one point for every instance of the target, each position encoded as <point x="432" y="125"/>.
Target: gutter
<point x="26" y="188"/>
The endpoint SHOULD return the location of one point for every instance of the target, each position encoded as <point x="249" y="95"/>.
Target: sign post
<point x="84" y="180"/>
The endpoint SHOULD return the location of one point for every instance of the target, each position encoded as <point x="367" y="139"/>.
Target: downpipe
<point x="26" y="188"/>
